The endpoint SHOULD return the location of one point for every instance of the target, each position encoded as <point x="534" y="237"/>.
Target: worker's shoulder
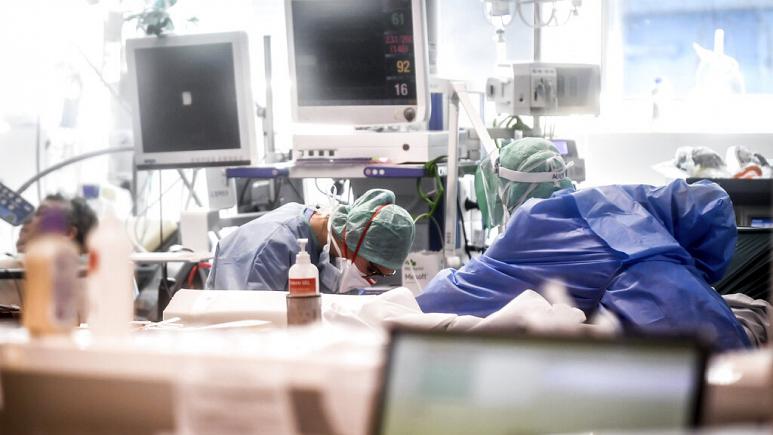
<point x="278" y="223"/>
<point x="288" y="212"/>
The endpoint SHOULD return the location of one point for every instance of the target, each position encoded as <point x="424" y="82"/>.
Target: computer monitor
<point x="358" y="62"/>
<point x="441" y="383"/>
<point x="191" y="99"/>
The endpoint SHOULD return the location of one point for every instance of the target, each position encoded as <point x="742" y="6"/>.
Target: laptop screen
<point x="461" y="384"/>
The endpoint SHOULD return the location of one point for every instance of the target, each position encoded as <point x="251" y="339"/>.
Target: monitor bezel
<point x="246" y="153"/>
<point x="366" y="114"/>
<point x="699" y="343"/>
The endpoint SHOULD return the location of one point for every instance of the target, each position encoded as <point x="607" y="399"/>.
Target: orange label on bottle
<point x="302" y="286"/>
<point x="93" y="262"/>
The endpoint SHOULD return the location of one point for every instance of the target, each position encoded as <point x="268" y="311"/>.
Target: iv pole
<point x="459" y="95"/>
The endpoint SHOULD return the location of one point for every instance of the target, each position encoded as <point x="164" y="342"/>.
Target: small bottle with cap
<point x="304" y="304"/>
<point x="52" y="290"/>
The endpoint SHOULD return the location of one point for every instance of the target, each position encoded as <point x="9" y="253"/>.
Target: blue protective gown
<point x="259" y="254"/>
<point x="644" y="253"/>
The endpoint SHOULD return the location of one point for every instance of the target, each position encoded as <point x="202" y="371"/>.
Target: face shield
<point x="501" y="190"/>
<point x="515" y="187"/>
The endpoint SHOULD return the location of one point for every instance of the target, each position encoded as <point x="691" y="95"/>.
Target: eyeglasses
<point x="374" y="270"/>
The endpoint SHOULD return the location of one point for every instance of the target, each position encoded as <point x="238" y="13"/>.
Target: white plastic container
<point x="304" y="303"/>
<point x="110" y="279"/>
<point x="303" y="278"/>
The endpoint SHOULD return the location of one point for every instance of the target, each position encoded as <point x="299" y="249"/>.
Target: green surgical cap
<point x="496" y="194"/>
<point x="390" y="235"/>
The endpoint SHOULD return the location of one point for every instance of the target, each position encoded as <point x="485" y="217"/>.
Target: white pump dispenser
<point x="303" y="275"/>
<point x="304" y="303"/>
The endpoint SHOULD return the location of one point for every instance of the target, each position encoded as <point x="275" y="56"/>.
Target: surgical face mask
<point x="351" y="278"/>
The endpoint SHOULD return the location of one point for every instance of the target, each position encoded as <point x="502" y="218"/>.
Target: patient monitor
<point x="191" y="100"/>
<point x="358" y="62"/>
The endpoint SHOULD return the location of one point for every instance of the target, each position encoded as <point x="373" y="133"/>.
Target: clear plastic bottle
<point x="110" y="279"/>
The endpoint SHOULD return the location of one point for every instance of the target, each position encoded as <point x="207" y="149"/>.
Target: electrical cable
<point x="191" y="191"/>
<point x="132" y="235"/>
<point x="464" y="231"/>
<point x="146" y="209"/>
<point x="18" y="292"/>
<point x="164" y="269"/>
<point x="327" y="194"/>
<point x="113" y="92"/>
<point x="437" y="227"/>
<point x="146" y="189"/>
<point x="292" y="186"/>
<point x="277" y="192"/>
<point x="160" y="211"/>
<point x="190" y="186"/>
<point x="244" y="190"/>
<point x="149" y="206"/>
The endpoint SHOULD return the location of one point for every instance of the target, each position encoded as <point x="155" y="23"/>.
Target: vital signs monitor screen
<point x="354" y="52"/>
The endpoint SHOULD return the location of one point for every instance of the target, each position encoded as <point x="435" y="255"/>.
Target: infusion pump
<point x="546" y="89"/>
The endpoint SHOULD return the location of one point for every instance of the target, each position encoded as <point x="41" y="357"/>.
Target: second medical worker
<point x="646" y="254"/>
<point x="350" y="245"/>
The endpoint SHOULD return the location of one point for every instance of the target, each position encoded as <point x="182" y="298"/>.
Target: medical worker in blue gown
<point x="349" y="245"/>
<point x="647" y="254"/>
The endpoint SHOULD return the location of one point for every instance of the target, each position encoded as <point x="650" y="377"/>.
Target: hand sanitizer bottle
<point x="303" y="300"/>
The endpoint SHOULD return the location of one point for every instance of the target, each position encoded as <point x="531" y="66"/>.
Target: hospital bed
<point x="320" y="380"/>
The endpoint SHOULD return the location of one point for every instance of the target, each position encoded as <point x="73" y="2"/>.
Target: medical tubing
<point x="431" y="168"/>
<point x="415" y="279"/>
<point x="133" y="236"/>
<point x="537" y="14"/>
<point x="70" y="161"/>
<point x="244" y="190"/>
<point x="160" y="211"/>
